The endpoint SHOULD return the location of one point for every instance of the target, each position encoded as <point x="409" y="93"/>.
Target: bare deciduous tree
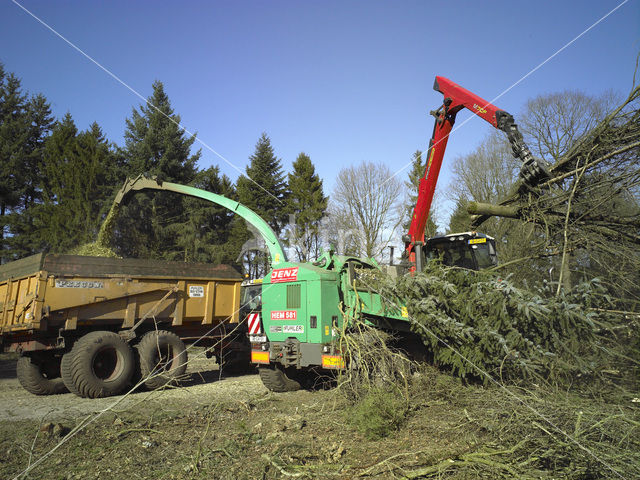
<point x="552" y="123"/>
<point x="366" y="208"/>
<point x="487" y="175"/>
<point x="589" y="211"/>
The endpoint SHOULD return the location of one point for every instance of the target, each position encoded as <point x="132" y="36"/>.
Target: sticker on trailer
<point x="257" y="338"/>
<point x="253" y="322"/>
<point x="284" y="315"/>
<point x="292" y="329"/>
<point x="78" y="284"/>
<point x="196" y="291"/>
<point x="284" y="275"/>
<point x="275" y="329"/>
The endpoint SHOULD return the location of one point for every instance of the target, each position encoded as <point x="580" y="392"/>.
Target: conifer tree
<point x="24" y="124"/>
<point x="308" y="206"/>
<point x="155" y="144"/>
<point x="264" y="190"/>
<point x="79" y="173"/>
<point x="13" y="136"/>
<point x="205" y="233"/>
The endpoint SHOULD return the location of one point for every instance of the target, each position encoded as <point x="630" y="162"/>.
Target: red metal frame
<point x="455" y="99"/>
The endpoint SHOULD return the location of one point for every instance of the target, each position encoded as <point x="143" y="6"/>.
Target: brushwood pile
<point x="480" y="326"/>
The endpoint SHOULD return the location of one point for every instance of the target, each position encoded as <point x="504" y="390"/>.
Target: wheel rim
<point x="107" y="364"/>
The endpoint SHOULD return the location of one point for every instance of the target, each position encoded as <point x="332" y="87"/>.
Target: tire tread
<point x="147" y="346"/>
<point x="32" y="380"/>
<point x="276" y="380"/>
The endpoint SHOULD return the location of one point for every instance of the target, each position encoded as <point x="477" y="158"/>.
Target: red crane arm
<point x="455" y="99"/>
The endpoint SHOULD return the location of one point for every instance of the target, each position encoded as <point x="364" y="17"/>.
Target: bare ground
<point x="217" y="427"/>
<point x="204" y="382"/>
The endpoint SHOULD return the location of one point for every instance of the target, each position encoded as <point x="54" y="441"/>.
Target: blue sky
<point x="343" y="81"/>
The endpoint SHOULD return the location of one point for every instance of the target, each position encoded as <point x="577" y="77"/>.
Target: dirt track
<point x="205" y="382"/>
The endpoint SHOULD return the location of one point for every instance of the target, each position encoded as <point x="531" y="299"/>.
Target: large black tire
<point x="163" y="358"/>
<point x="65" y="371"/>
<point x="40" y="374"/>
<point x="100" y="365"/>
<point x="275" y="379"/>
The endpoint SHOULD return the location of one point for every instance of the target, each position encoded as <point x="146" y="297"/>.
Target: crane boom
<point x="455" y="99"/>
<point x="271" y="239"/>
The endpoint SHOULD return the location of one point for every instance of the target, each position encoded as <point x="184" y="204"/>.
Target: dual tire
<point x="40" y="374"/>
<point x="100" y="364"/>
<point x="103" y="364"/>
<point x="162" y="359"/>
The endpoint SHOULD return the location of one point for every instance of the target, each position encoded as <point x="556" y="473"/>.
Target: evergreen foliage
<point x="379" y="413"/>
<point x="24" y="124"/>
<point x="308" y="205"/>
<point x="204" y="234"/>
<point x="79" y="175"/>
<point x="155" y="144"/>
<point x="264" y="190"/>
<point x="475" y="323"/>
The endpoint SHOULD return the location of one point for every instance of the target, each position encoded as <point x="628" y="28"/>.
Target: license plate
<point x="257" y="338"/>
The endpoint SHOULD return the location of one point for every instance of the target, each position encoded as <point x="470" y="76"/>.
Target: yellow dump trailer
<point x="94" y="325"/>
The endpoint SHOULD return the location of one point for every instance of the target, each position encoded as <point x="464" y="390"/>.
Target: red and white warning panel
<point x="284" y="275"/>
<point x="253" y="321"/>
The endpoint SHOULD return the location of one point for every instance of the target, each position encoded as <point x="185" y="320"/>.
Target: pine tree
<point x="308" y="205"/>
<point x="263" y="190"/>
<point x="415" y="174"/>
<point x="13" y="136"/>
<point x="155" y="144"/>
<point x="80" y="175"/>
<point x="205" y="233"/>
<point x="24" y="124"/>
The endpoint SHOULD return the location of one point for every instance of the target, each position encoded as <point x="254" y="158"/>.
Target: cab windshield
<point x="461" y="254"/>
<point x="485" y="255"/>
<point x="252" y="297"/>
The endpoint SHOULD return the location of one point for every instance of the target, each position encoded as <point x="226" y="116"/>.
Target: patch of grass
<point x="379" y="413"/>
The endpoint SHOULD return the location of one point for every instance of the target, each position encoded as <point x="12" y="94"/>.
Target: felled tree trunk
<point x="487" y="209"/>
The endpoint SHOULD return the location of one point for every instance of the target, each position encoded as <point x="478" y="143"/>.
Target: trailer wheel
<point x="65" y="371"/>
<point x="100" y="365"/>
<point x="275" y="379"/>
<point x="163" y="358"/>
<point x="40" y="374"/>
